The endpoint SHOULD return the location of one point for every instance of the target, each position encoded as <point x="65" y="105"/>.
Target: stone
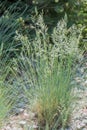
<point x="22" y="123"/>
<point x="35" y="127"/>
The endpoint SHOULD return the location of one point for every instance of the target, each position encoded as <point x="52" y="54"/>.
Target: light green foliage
<point x="66" y="40"/>
<point x="8" y="93"/>
<point x="42" y="67"/>
<point x="5" y="102"/>
<point x="52" y="95"/>
<point x="47" y="73"/>
<point x="14" y="16"/>
<point x="76" y="11"/>
<point x="3" y="107"/>
<point x="63" y="42"/>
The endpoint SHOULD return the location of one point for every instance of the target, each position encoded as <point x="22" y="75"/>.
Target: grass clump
<point x="52" y="96"/>
<point x="42" y="66"/>
<point x="46" y="64"/>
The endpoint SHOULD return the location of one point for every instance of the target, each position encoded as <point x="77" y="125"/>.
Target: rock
<point x="85" y="121"/>
<point x="21" y="110"/>
<point x="78" y="80"/>
<point x="16" y="128"/>
<point x="7" y="128"/>
<point x="26" y="115"/>
<point x="35" y="127"/>
<point x="22" y="123"/>
<point x="84" y="129"/>
<point x="82" y="70"/>
<point x="86" y="82"/>
<point x="80" y="125"/>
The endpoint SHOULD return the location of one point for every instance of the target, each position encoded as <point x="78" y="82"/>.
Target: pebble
<point x="16" y="128"/>
<point x="35" y="127"/>
<point x="84" y="129"/>
<point x="22" y="123"/>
